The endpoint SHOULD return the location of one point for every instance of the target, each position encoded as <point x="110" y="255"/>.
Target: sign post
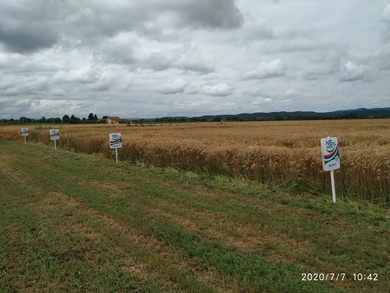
<point x="54" y="135"/>
<point x="115" y="143"/>
<point x="330" y="159"/>
<point x="24" y="132"/>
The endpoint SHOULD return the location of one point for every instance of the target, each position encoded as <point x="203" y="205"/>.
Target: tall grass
<point x="279" y="153"/>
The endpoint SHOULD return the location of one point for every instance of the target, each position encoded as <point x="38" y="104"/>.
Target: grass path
<point x="80" y="223"/>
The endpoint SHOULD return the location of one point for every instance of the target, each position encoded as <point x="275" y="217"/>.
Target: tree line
<point x="92" y="118"/>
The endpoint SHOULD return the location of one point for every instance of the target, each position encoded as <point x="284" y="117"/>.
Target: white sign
<point x="24" y="131"/>
<point x="115" y="140"/>
<point x="330" y="154"/>
<point x="330" y="159"/>
<point x="54" y="134"/>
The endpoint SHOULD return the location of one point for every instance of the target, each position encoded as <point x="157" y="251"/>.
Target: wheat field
<point x="282" y="153"/>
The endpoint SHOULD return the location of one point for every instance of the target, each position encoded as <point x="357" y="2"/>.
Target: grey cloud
<point x="321" y="67"/>
<point x="302" y="40"/>
<point x="385" y="17"/>
<point x="255" y="30"/>
<point x="27" y="26"/>
<point x="24" y="85"/>
<point x="203" y="50"/>
<point x="297" y="45"/>
<point x="214" y="14"/>
<point x="22" y="107"/>
<point x="100" y="86"/>
<point x="383" y="58"/>
<point x="27" y="39"/>
<point x="119" y="49"/>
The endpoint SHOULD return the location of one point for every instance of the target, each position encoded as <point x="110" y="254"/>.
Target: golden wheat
<point x="282" y="153"/>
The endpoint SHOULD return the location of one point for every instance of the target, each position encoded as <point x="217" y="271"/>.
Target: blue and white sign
<point x="330" y="159"/>
<point x="330" y="153"/>
<point x="24" y="131"/>
<point x="115" y="140"/>
<point x="54" y="134"/>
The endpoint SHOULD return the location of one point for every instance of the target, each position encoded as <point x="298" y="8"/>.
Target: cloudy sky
<point x="155" y="58"/>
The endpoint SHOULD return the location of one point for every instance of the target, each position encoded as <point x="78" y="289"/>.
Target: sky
<point x="157" y="58"/>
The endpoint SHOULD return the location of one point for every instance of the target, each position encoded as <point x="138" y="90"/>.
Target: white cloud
<point x="82" y="75"/>
<point x="275" y="68"/>
<point x="174" y="87"/>
<point x="261" y="101"/>
<point x="219" y="89"/>
<point x="352" y="72"/>
<point x="386" y="14"/>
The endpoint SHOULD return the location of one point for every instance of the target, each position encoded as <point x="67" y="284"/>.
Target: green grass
<point x="81" y="223"/>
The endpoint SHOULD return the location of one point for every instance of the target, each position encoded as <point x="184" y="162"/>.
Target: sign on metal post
<point x="24" y="132"/>
<point x="330" y="159"/>
<point x="54" y="135"/>
<point x="115" y="143"/>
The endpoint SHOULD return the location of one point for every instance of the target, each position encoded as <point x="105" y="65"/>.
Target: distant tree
<point x="74" y="120"/>
<point x="12" y="122"/>
<point x="24" y="120"/>
<point x="95" y="117"/>
<point x="91" y="117"/>
<point x="42" y="120"/>
<point x="65" y="119"/>
<point x="217" y="119"/>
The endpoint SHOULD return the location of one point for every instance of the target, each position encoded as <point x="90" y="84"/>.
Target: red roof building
<point x="113" y="120"/>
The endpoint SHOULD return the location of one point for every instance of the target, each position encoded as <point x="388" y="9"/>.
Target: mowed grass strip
<point x="205" y="222"/>
<point x="92" y="243"/>
<point x="183" y="241"/>
<point x="36" y="256"/>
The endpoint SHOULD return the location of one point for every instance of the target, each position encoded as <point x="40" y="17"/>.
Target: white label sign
<point x="115" y="140"/>
<point x="54" y="134"/>
<point x="24" y="131"/>
<point x="330" y="153"/>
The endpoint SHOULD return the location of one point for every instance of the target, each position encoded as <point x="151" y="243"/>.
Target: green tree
<point x="24" y="120"/>
<point x="74" y="120"/>
<point x="90" y="117"/>
<point x="65" y="119"/>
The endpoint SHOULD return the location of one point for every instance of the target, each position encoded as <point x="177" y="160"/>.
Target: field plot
<point x="280" y="153"/>
<point x="72" y="222"/>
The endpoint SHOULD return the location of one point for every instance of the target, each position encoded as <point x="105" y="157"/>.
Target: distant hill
<point x="360" y="113"/>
